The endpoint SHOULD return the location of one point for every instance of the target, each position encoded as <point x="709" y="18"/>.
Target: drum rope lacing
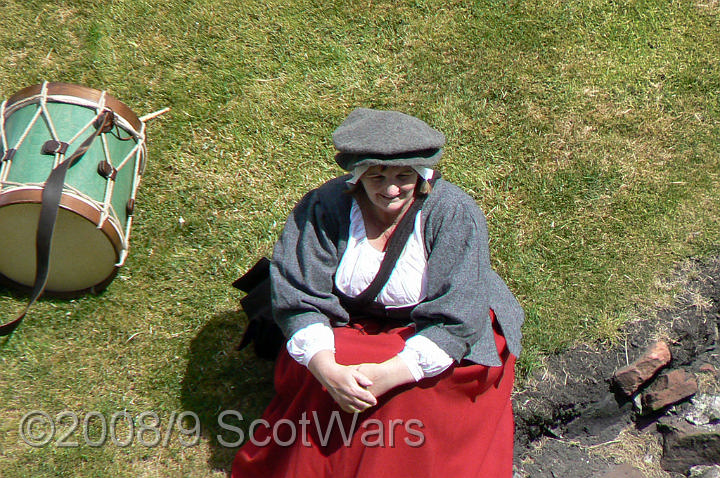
<point x="106" y="208"/>
<point x="42" y="99"/>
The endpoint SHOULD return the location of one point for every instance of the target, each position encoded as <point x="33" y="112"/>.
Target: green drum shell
<point x="71" y="268"/>
<point x="31" y="166"/>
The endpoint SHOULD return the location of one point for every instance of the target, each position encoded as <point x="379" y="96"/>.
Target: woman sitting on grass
<point x="409" y="374"/>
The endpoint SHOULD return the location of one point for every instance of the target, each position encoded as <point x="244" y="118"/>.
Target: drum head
<point x="82" y="255"/>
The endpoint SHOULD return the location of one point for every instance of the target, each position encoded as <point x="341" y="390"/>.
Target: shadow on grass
<point x="21" y="294"/>
<point x="220" y="378"/>
<point x="6" y="291"/>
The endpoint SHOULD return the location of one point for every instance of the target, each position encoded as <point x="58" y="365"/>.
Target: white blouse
<point x="405" y="287"/>
<point x="361" y="262"/>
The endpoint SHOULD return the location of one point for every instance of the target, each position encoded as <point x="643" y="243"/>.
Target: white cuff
<point x="412" y="360"/>
<point x="308" y="341"/>
<point x="424" y="358"/>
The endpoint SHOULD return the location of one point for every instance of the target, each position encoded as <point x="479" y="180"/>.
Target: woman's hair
<point x="423" y="186"/>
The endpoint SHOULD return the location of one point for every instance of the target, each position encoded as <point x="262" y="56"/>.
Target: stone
<point x="621" y="471"/>
<point x="667" y="389"/>
<point x="704" y="409"/>
<point x="707" y="367"/>
<point x="686" y="445"/>
<point x="630" y="378"/>
<point x="703" y="471"/>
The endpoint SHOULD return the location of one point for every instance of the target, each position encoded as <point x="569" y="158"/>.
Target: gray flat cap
<point x="371" y="137"/>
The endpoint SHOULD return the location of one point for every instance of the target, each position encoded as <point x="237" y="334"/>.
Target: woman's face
<point x="389" y="188"/>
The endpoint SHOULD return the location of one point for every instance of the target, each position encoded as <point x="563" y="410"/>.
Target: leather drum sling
<point x="51" y="195"/>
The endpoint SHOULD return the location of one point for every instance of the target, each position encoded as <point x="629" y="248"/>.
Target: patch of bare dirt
<point x="571" y="423"/>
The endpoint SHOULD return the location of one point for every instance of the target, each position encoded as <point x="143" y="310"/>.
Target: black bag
<point x="262" y="331"/>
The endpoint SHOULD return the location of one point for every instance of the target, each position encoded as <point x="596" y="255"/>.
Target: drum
<point x="40" y="126"/>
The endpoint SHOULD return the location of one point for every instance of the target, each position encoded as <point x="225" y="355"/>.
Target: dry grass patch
<point x="640" y="450"/>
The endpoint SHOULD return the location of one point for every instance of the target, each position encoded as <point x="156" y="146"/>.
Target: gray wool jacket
<point x="461" y="285"/>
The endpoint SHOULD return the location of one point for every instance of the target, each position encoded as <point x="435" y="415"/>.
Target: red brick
<point x="669" y="388"/>
<point x="629" y="379"/>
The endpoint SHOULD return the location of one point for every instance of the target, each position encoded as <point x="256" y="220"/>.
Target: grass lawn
<point x="587" y="131"/>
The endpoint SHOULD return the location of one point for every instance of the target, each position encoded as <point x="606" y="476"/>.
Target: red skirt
<point x="459" y="423"/>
